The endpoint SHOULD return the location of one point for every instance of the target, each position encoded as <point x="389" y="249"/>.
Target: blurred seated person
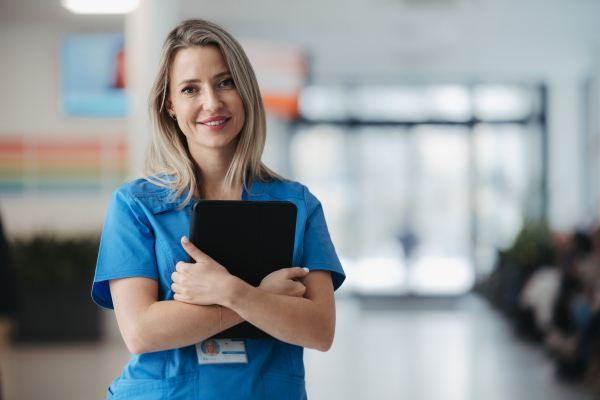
<point x="8" y="288"/>
<point x="573" y="308"/>
<point x="572" y="286"/>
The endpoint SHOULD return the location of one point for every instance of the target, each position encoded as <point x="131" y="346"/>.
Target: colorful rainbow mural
<point x="38" y="163"/>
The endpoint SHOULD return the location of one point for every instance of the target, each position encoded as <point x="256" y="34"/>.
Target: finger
<point x="175" y="276"/>
<point x="180" y="297"/>
<point x="299" y="286"/>
<point x="300" y="290"/>
<point x="181" y="267"/>
<point x="192" y="250"/>
<point x="176" y="288"/>
<point x="296" y="272"/>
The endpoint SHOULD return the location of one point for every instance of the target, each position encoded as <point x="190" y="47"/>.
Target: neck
<point x="213" y="165"/>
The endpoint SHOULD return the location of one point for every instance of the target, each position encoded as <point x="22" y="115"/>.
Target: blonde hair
<point x="168" y="152"/>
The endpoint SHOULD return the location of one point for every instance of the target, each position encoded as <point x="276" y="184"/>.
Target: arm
<point x="149" y="325"/>
<point x="307" y="322"/>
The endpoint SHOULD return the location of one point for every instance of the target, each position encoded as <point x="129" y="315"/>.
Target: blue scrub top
<point x="141" y="237"/>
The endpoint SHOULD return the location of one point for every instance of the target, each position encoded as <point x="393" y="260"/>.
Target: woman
<point x="210" y="348"/>
<point x="209" y="134"/>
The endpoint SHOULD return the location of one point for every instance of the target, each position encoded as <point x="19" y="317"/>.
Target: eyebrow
<point x="217" y="76"/>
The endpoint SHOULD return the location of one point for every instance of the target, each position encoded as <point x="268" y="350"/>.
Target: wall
<point x="357" y="40"/>
<point x="29" y="107"/>
<point x="454" y="41"/>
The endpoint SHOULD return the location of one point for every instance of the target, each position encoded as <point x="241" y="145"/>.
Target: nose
<point x="212" y="101"/>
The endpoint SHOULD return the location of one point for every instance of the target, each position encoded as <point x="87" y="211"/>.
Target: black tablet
<point x="249" y="238"/>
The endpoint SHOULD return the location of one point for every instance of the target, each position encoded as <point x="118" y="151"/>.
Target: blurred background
<point x="454" y="144"/>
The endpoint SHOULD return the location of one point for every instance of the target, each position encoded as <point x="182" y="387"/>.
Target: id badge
<point x="222" y="351"/>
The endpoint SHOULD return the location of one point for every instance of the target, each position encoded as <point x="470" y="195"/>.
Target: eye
<point x="188" y="90"/>
<point x="227" y="83"/>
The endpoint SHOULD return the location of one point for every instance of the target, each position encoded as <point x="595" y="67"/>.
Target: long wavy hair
<point x="168" y="162"/>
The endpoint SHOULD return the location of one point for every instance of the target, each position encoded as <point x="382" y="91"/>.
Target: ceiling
<point x="50" y="12"/>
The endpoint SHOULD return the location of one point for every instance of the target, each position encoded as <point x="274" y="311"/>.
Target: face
<point x="203" y="96"/>
<point x="210" y="347"/>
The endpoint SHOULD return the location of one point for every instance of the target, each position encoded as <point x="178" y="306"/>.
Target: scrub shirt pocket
<point x="279" y="386"/>
<point x="182" y="387"/>
<point x="139" y="389"/>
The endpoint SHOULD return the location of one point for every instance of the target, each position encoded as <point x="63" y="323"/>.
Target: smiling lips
<point x="215" y="123"/>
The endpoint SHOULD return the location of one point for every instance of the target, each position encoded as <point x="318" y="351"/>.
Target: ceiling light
<point x="100" y="6"/>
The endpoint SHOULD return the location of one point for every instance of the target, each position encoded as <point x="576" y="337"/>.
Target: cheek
<point x="186" y="109"/>
<point x="243" y="113"/>
<point x="242" y="118"/>
<point x="186" y="118"/>
<point x="237" y="106"/>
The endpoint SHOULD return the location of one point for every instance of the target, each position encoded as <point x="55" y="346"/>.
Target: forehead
<point x="197" y="62"/>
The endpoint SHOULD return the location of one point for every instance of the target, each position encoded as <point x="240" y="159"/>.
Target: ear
<point x="169" y="106"/>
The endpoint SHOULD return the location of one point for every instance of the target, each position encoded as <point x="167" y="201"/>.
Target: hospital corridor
<point x="439" y="159"/>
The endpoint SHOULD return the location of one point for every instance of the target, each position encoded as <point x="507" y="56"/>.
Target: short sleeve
<point x="318" y="250"/>
<point x="126" y="247"/>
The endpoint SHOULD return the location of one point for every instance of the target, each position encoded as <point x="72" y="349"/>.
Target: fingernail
<point x="305" y="269"/>
<point x="185" y="239"/>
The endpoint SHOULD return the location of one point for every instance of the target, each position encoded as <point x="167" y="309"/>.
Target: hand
<point x="281" y="282"/>
<point x="205" y="282"/>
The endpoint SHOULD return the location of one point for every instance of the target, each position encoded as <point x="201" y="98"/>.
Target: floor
<point x="385" y="348"/>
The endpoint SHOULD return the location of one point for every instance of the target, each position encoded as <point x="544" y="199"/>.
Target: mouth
<point x="215" y="123"/>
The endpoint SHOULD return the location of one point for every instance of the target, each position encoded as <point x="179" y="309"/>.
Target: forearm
<point x="165" y="325"/>
<point x="307" y="321"/>
<point x="294" y="320"/>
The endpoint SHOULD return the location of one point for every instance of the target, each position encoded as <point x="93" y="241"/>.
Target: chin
<point x="216" y="142"/>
